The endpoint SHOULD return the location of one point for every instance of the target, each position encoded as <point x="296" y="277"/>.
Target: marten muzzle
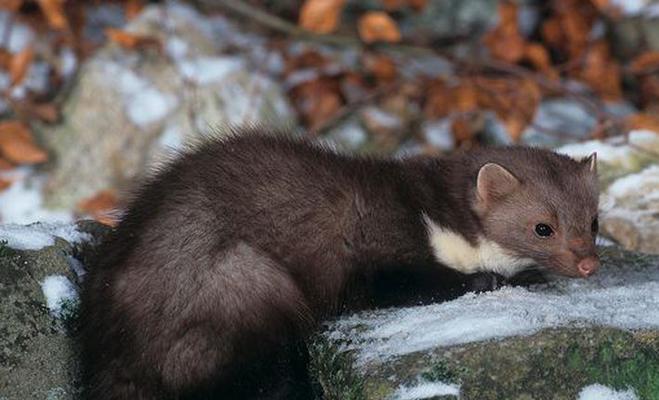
<point x="588" y="266"/>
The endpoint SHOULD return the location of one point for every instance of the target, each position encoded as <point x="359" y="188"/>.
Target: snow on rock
<point x="626" y="298"/>
<point x="18" y="34"/>
<point x="22" y="202"/>
<point x="438" y="133"/>
<point x="613" y="151"/>
<point x="144" y="103"/>
<point x="601" y="392"/>
<point x="647" y="180"/>
<point x="205" y="70"/>
<point x="631" y="7"/>
<point x="58" y="290"/>
<point x="39" y="235"/>
<point x="426" y="390"/>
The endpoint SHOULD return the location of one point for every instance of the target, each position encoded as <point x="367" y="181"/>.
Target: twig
<point x="349" y="109"/>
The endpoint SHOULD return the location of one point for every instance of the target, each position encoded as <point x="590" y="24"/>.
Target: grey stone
<point x="128" y="106"/>
<point x="553" y="363"/>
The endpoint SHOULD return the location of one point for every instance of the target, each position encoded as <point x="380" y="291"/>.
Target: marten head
<point x="541" y="206"/>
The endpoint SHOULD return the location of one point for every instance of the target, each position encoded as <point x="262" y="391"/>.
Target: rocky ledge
<point x="547" y="341"/>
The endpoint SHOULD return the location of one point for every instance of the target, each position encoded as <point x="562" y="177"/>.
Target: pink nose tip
<point x="588" y="266"/>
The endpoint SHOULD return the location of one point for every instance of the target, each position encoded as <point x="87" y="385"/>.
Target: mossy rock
<point x="553" y="363"/>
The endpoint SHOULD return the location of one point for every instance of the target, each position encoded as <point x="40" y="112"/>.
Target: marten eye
<point x="595" y="226"/>
<point x="543" y="230"/>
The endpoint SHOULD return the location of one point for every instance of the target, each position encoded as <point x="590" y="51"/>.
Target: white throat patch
<point x="454" y="251"/>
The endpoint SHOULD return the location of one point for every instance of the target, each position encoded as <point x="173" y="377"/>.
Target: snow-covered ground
<point x="623" y="297"/>
<point x="39" y="235"/>
<point x="601" y="392"/>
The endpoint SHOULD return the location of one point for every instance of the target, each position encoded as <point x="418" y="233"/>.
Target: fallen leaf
<point x="54" y="12"/>
<point x="5" y="165"/>
<point x="130" y="40"/>
<point x="439" y="99"/>
<point x="601" y="71"/>
<point x="101" y="207"/>
<point x="539" y="57"/>
<point x="417" y="5"/>
<point x="17" y="144"/>
<point x="645" y="62"/>
<point x="382" y="67"/>
<point x="642" y="121"/>
<point x="393" y="5"/>
<point x="132" y="8"/>
<point x="462" y="128"/>
<point x="321" y="16"/>
<point x="47" y="112"/>
<point x="11" y="5"/>
<point x="5" y="58"/>
<point x="505" y="42"/>
<point x="378" y="26"/>
<point x="4" y="184"/>
<point x="19" y="65"/>
<point x="317" y="100"/>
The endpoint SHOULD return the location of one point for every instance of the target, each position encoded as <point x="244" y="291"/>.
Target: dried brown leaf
<point x="130" y="40"/>
<point x="11" y="5"/>
<point x="101" y="206"/>
<point x="53" y="10"/>
<point x="645" y="62"/>
<point x="505" y="41"/>
<point x="17" y="144"/>
<point x="643" y="121"/>
<point x="4" y="184"/>
<point x="133" y="8"/>
<point x="378" y="26"/>
<point x="321" y="16"/>
<point x="602" y="72"/>
<point x="19" y="64"/>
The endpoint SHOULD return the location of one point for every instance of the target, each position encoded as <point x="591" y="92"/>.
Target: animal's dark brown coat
<point x="228" y="257"/>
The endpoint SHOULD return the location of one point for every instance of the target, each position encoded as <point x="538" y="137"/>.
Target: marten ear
<point x="493" y="182"/>
<point x="591" y="162"/>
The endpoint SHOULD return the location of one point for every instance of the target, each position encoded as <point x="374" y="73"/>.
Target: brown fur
<point x="228" y="257"/>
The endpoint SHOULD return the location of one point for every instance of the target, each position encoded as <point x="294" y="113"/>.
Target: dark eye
<point x="543" y="230"/>
<point x="595" y="226"/>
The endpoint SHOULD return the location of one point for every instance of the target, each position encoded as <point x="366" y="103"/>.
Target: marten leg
<point x="194" y="322"/>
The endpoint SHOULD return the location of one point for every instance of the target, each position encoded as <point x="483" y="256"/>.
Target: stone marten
<point x="228" y="257"/>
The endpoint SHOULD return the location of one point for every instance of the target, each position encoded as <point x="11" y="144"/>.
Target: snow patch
<point x="144" y="103"/>
<point x="646" y="180"/>
<point x="22" y="202"/>
<point x="426" y="390"/>
<point x="39" y="235"/>
<point x="626" y="298"/>
<point x="58" y="290"/>
<point x="601" y="392"/>
<point x="205" y="70"/>
<point x="630" y="7"/>
<point x="613" y="151"/>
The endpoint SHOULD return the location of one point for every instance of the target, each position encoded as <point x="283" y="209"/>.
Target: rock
<point x="629" y="177"/>
<point x="544" y="342"/>
<point x="632" y="214"/>
<point x="37" y="356"/>
<point x="155" y="99"/>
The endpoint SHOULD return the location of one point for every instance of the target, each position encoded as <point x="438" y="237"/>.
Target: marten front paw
<point x="485" y="282"/>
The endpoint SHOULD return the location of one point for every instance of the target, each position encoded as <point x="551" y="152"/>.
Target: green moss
<point x="612" y="366"/>
<point x="69" y="312"/>
<point x="5" y="250"/>
<point x="333" y="373"/>
<point x="440" y="371"/>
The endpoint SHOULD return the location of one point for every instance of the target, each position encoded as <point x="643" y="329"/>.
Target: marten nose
<point x="588" y="266"/>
